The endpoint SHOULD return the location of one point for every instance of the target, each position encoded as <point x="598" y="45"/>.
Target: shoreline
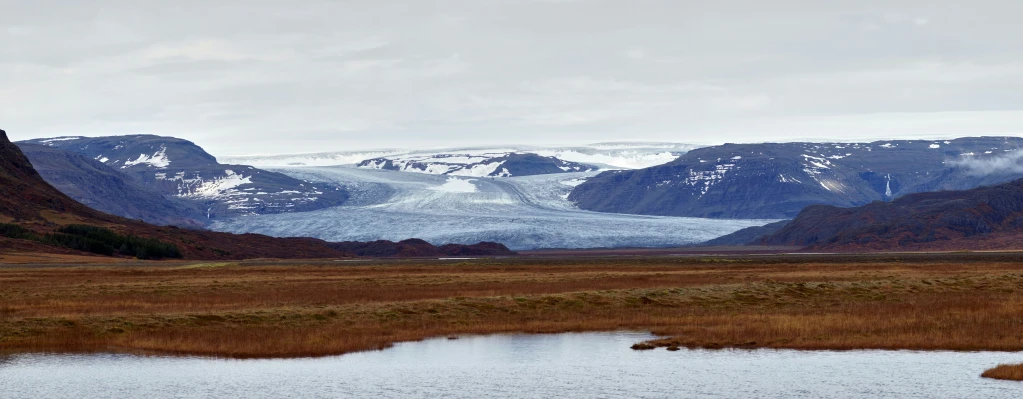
<point x="655" y="344"/>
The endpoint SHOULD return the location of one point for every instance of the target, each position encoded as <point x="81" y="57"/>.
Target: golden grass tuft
<point x="1010" y="372"/>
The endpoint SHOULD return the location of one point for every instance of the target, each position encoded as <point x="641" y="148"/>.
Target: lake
<point x="578" y="365"/>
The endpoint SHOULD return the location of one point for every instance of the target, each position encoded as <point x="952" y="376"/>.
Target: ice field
<point x="521" y="212"/>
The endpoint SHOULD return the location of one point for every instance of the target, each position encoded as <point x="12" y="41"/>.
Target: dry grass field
<point x="267" y="309"/>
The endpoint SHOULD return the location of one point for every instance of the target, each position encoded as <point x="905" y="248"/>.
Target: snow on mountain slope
<point x="501" y="164"/>
<point x="777" y="180"/>
<point x="521" y="212"/>
<point x="607" y="155"/>
<point x="180" y="168"/>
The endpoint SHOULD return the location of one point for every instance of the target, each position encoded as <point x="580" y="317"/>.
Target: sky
<point x="272" y="77"/>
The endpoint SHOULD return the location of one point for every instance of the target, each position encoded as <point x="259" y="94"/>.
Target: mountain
<point x="100" y="187"/>
<point x="36" y="217"/>
<point x="625" y="155"/>
<point x="989" y="217"/>
<point x="478" y="164"/>
<point x="777" y="180"/>
<point x="30" y="206"/>
<point x="181" y="169"/>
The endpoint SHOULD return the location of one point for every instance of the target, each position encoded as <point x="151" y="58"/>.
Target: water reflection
<point x="563" y="365"/>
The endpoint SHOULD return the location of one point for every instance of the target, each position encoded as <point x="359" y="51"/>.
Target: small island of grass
<point x="1011" y="372"/>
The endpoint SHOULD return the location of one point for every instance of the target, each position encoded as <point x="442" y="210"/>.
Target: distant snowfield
<point x="610" y="155"/>
<point x="521" y="212"/>
<point x="455" y="185"/>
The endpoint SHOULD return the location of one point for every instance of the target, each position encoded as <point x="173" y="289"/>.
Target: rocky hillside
<point x="988" y="217"/>
<point x="777" y="180"/>
<point x="181" y="169"/>
<point x="477" y="164"/>
<point x="103" y="188"/>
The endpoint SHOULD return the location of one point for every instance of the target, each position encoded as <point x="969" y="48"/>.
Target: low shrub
<point x="15" y="231"/>
<point x="103" y="241"/>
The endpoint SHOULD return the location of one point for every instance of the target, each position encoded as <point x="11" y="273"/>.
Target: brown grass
<point x="1011" y="372"/>
<point x="242" y="310"/>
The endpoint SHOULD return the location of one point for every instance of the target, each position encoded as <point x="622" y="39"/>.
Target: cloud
<point x="1008" y="163"/>
<point x="238" y="76"/>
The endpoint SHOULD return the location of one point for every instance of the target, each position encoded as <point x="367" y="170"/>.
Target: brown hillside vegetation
<point x="259" y="309"/>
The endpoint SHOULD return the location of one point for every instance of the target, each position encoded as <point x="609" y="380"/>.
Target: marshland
<point x="270" y="309"/>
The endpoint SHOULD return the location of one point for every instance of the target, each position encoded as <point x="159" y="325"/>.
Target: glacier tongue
<point x="521" y="212"/>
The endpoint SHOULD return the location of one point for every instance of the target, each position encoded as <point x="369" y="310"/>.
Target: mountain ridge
<point x="180" y="168"/>
<point x="988" y="217"/>
<point x="103" y="188"/>
<point x="28" y="202"/>
<point x="777" y="180"/>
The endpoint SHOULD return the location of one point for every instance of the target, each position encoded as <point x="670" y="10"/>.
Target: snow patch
<point x="455" y="185"/>
<point x="50" y="142"/>
<point x="218" y="186"/>
<point x="157" y="160"/>
<point x="479" y="170"/>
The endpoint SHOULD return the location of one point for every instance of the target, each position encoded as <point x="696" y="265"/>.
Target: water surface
<point x="590" y="365"/>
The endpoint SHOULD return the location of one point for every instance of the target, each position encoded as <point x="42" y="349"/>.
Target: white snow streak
<point x="157" y="160"/>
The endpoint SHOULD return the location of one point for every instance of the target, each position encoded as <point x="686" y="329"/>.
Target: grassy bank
<point x="1011" y="372"/>
<point x="296" y="310"/>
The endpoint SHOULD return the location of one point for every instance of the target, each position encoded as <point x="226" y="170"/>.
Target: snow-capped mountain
<point x="777" y="180"/>
<point x="626" y="155"/>
<point x="501" y="164"/>
<point x="108" y="190"/>
<point x="182" y="169"/>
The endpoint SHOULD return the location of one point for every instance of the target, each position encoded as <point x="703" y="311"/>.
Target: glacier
<point x="529" y="212"/>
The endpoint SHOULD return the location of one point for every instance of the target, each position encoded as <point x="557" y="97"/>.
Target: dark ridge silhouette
<point x="982" y="218"/>
<point x="414" y="248"/>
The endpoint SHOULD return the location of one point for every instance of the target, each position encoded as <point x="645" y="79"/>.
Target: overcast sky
<point x="270" y="76"/>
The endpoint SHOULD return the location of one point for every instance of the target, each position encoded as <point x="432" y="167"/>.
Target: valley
<point x="527" y="212"/>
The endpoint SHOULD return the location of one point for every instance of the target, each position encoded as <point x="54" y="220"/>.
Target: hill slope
<point x="777" y="180"/>
<point x="100" y="187"/>
<point x="981" y="218"/>
<point x="28" y="201"/>
<point x="179" y="168"/>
